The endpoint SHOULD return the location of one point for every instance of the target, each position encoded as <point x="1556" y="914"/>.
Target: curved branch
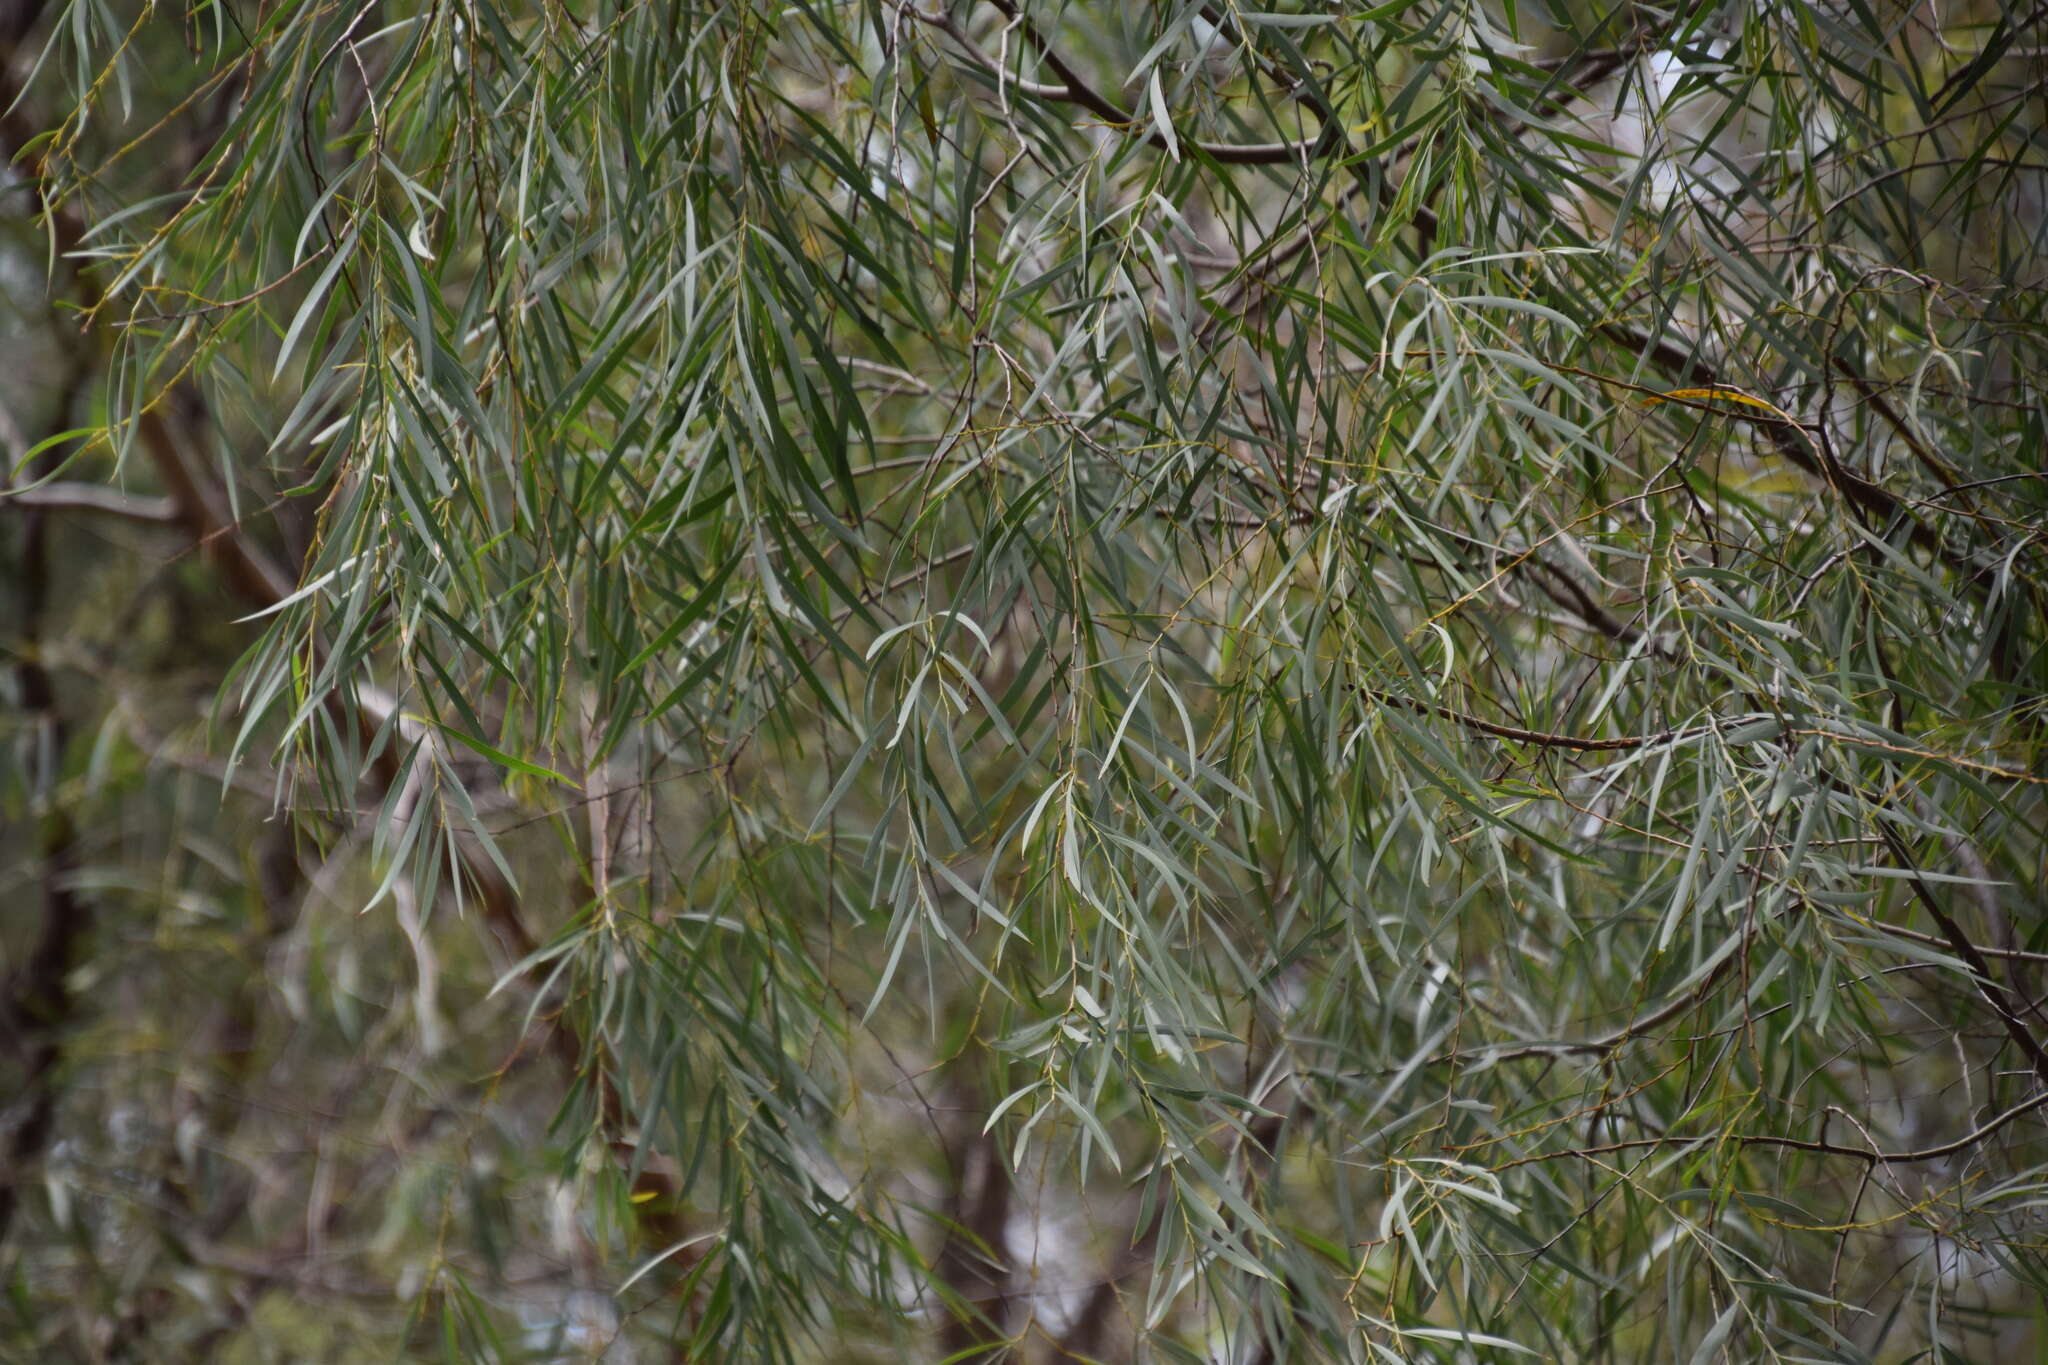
<point x="1866" y="1154"/>
<point x="88" y="497"/>
<point x="1073" y="89"/>
<point x="1987" y="985"/>
<point x="1630" y="743"/>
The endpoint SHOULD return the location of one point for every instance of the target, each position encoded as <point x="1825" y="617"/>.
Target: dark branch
<point x="1073" y="89"/>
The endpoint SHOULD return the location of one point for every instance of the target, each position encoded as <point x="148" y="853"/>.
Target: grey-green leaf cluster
<point x="1151" y="682"/>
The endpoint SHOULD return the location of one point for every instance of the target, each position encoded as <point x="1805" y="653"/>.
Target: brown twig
<point x="1987" y="985"/>
<point x="1628" y="743"/>
<point x="1073" y="89"/>
<point x="1871" y="1155"/>
<point x="1542" y="738"/>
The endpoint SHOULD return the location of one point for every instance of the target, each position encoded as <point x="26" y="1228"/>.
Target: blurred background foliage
<point x="1023" y="681"/>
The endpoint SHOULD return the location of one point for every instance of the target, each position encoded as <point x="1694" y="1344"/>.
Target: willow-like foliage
<point x="1147" y="682"/>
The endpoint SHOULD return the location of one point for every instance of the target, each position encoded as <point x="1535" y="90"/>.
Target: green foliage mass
<point x="1026" y="681"/>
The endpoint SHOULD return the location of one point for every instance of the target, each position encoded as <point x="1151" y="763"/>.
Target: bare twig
<point x="87" y="497"/>
<point x="1073" y="89"/>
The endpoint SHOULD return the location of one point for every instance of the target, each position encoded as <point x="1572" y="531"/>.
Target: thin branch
<point x="1866" y="1154"/>
<point x="88" y="497"/>
<point x="1791" y="441"/>
<point x="1542" y="738"/>
<point x="1983" y="949"/>
<point x="1075" y="90"/>
<point x="1987" y="985"/>
<point x="1630" y="743"/>
<point x="1664" y="1013"/>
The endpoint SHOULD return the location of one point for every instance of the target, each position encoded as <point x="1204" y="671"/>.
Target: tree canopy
<point x="1020" y="681"/>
